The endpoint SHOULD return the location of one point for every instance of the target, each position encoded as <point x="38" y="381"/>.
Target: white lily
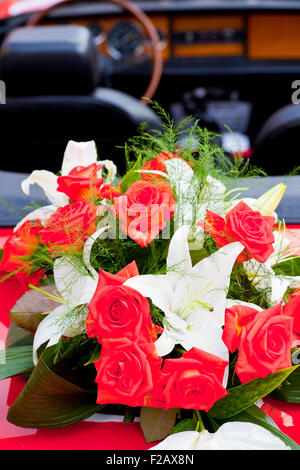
<point x="48" y="182"/>
<point x="263" y="276"/>
<point x="183" y="182"/>
<point x="192" y="298"/>
<point x="42" y="213"/>
<point x="87" y="249"/>
<point x="230" y="436"/>
<point x="76" y="154"/>
<point x="75" y="289"/>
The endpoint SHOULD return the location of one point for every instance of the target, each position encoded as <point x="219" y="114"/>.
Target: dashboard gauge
<point x="125" y="40"/>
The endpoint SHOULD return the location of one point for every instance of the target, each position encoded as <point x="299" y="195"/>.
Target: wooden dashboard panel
<point x="208" y="23"/>
<point x="274" y="37"/>
<point x="257" y="36"/>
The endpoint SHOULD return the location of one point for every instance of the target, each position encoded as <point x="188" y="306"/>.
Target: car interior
<point x="86" y="70"/>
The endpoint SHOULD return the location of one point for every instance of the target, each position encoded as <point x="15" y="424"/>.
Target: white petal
<point x="111" y="170"/>
<point x="72" y="285"/>
<point x="259" y="273"/>
<point x="83" y="290"/>
<point x="179" y="260"/>
<point x="153" y="172"/>
<point x="48" y="330"/>
<point x="244" y="436"/>
<point x="280" y="246"/>
<point x="205" y="332"/>
<point x="183" y="183"/>
<point x="230" y="436"/>
<point x="263" y="277"/>
<point x="181" y="176"/>
<point x="279" y="285"/>
<point x="185" y="440"/>
<point x="157" y="287"/>
<point x="207" y="283"/>
<point x="175" y="331"/>
<point x="218" y="188"/>
<point x="86" y="255"/>
<point x="65" y="274"/>
<point x="42" y="213"/>
<point x="212" y="198"/>
<point x="294" y="281"/>
<point x="165" y="344"/>
<point x="48" y="182"/>
<point x="78" y="154"/>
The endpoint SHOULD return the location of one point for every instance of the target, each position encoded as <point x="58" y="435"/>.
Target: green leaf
<point x="130" y="414"/>
<point x="27" y="321"/>
<point x="241" y="397"/>
<point x="18" y="336"/>
<point x="49" y="400"/>
<point x="15" y="361"/>
<point x="28" y="310"/>
<point x="289" y="389"/>
<point x="184" y="425"/>
<point x="198" y="255"/>
<point x="257" y="416"/>
<point x="131" y="176"/>
<point x="288" y="268"/>
<point x="95" y="355"/>
<point x="156" y="423"/>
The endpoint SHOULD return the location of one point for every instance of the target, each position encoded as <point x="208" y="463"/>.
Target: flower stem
<point x="152" y="250"/>
<point x="200" y="426"/>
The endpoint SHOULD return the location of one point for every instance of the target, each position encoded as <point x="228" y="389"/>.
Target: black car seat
<point x="51" y="75"/>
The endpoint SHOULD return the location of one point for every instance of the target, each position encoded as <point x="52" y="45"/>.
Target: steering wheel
<point x="141" y="17"/>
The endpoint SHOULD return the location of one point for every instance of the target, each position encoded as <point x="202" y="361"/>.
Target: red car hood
<point x="18" y="7"/>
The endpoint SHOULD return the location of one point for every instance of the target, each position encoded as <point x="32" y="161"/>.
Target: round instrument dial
<point x="125" y="40"/>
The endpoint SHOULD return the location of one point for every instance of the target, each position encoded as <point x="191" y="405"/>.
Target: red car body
<point x="18" y="7"/>
<point x="90" y="434"/>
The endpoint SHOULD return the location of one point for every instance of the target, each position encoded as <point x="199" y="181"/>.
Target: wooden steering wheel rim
<point x="157" y="63"/>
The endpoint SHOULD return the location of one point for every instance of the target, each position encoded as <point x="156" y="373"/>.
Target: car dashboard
<point x="262" y="35"/>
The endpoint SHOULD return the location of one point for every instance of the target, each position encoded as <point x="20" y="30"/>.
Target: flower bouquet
<point x="162" y="294"/>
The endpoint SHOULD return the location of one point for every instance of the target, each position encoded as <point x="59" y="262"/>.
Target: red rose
<point x="18" y="252"/>
<point x="108" y="191"/>
<point x="126" y="372"/>
<point x="117" y="311"/>
<point x="264" y="341"/>
<point x="69" y="227"/>
<point x="144" y="209"/>
<point x="121" y="312"/>
<point x="235" y="319"/>
<point x="81" y="183"/>
<point x="157" y="164"/>
<point x="292" y="309"/>
<point x="242" y="224"/>
<point x="194" y="381"/>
